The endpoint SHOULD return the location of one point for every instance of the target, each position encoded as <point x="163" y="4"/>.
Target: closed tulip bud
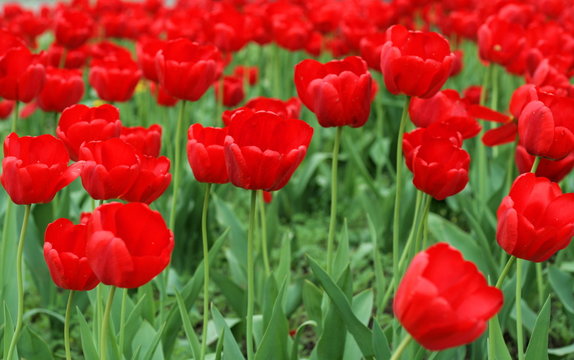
<point x="443" y="301"/>
<point x="128" y="245"/>
<point x="62" y="88"/>
<point x="205" y="153"/>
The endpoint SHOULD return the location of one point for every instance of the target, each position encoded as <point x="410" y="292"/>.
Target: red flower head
<point x="440" y="167"/>
<point x="414" y="139"/>
<point x="290" y="27"/>
<point x="457" y="63"/>
<point x="251" y="73"/>
<point x="114" y="79"/>
<point x="289" y="109"/>
<point x="535" y="220"/>
<point x="6" y="107"/>
<point x="545" y="126"/>
<point x="443" y="301"/>
<point x="81" y="124"/>
<point x="75" y="59"/>
<point x="415" y="63"/>
<point x="62" y="88"/>
<point x="22" y="76"/>
<point x="338" y="92"/>
<point x="129" y="244"/>
<point x="146" y="49"/>
<point x="227" y="29"/>
<point x="65" y="254"/>
<point x="186" y="70"/>
<point x="553" y="170"/>
<point x="500" y="41"/>
<point x="9" y="40"/>
<point x="111" y="167"/>
<point x="35" y="168"/>
<point x="152" y="181"/>
<point x="371" y="46"/>
<point x="233" y="92"/>
<point x="73" y="28"/>
<point x="262" y="149"/>
<point x="205" y="153"/>
<point x="147" y="141"/>
<point x="161" y="96"/>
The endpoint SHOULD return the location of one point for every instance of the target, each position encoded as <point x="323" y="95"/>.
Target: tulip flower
<point x="161" y="96"/>
<point x="65" y="254"/>
<point x="152" y="180"/>
<point x="35" y="168"/>
<point x="205" y="153"/>
<point x="415" y="63"/>
<point x="80" y="124"/>
<point x="289" y="109"/>
<point x="73" y="28"/>
<point x="22" y="76"/>
<point x="145" y="140"/>
<point x="146" y="49"/>
<point x="338" y="92"/>
<point x="535" y="220"/>
<point x="233" y="92"/>
<point x="554" y="170"/>
<point x="114" y="79"/>
<point x="62" y="89"/>
<point x="128" y="245"/>
<point x="443" y="301"/>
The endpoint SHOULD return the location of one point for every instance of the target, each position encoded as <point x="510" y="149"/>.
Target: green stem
<point x="263" y="220"/>
<point x="177" y="165"/>
<point x="15" y="116"/>
<point x="122" y="320"/>
<point x="105" y="324"/>
<point x="7" y="221"/>
<point x="414" y="226"/>
<point x="219" y="101"/>
<point x="205" y="271"/>
<point x="519" y="336"/>
<point x="535" y="164"/>
<point x="20" y="279"/>
<point x="333" y="220"/>
<point x="250" y="277"/>
<point x="505" y="271"/>
<point x="423" y="223"/>
<point x="63" y="58"/>
<point x="398" y="191"/>
<point x="402" y="346"/>
<point x="67" y="325"/>
<point x="540" y="284"/>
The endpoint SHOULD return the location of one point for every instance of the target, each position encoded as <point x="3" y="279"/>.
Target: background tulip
<point x="62" y="88"/>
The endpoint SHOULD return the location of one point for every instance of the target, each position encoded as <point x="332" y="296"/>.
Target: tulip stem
<point x="177" y="165"/>
<point x="263" y="219"/>
<point x="219" y="100"/>
<point x="63" y="57"/>
<point x="205" y="271"/>
<point x="105" y="324"/>
<point x="540" y="284"/>
<point x="67" y="325"/>
<point x="398" y="191"/>
<point x="15" y="116"/>
<point x="414" y="226"/>
<point x="333" y="220"/>
<point x="535" y="164"/>
<point x="122" y="320"/>
<point x="505" y="271"/>
<point x="250" y="277"/>
<point x="18" y="329"/>
<point x="402" y="346"/>
<point x="519" y="336"/>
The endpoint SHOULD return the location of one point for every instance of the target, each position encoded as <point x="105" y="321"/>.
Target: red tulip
<point x="500" y="41"/>
<point x="81" y="124"/>
<point x="440" y="168"/>
<point x="290" y="28"/>
<point x="111" y="167"/>
<point x="75" y="58"/>
<point x="186" y="70"/>
<point x="73" y="28"/>
<point x="233" y="92"/>
<point x="6" y="107"/>
<point x="22" y="76"/>
<point x="62" y="88"/>
<point x="443" y="301"/>
<point x="152" y="181"/>
<point x="227" y="29"/>
<point x="251" y="73"/>
<point x="205" y="153"/>
<point x="535" y="220"/>
<point x="262" y="149"/>
<point x="65" y="254"/>
<point x="114" y="79"/>
<point x="146" y="49"/>
<point x="415" y="63"/>
<point x="161" y="96"/>
<point x="553" y="170"/>
<point x="9" y="40"/>
<point x="371" y="46"/>
<point x="35" y="168"/>
<point x="338" y="92"/>
<point x="145" y="140"/>
<point x="414" y="139"/>
<point x="289" y="109"/>
<point x="129" y="244"/>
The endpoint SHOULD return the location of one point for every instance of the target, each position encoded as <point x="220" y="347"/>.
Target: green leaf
<point x="342" y="255"/>
<point x="312" y="296"/>
<point x="274" y="342"/>
<point x="219" y="347"/>
<point x="8" y="330"/>
<point x="562" y="284"/>
<point x="233" y="293"/>
<point x="561" y="351"/>
<point x="360" y="332"/>
<point x="86" y="336"/>
<point x="295" y="345"/>
<point x="188" y="327"/>
<point x="379" y="273"/>
<point x="496" y="343"/>
<point x="538" y="345"/>
<point x="153" y="351"/>
<point x="362" y="308"/>
<point x="231" y="350"/>
<point x="31" y="346"/>
<point x="380" y="343"/>
<point x="283" y="271"/>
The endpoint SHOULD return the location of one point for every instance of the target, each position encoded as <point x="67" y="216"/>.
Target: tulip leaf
<point x="359" y="163"/>
<point x="360" y="332"/>
<point x="496" y="343"/>
<point x="312" y="302"/>
<point x="380" y="343"/>
<point x="233" y="293"/>
<point x="561" y="351"/>
<point x="379" y="273"/>
<point x="8" y="331"/>
<point x="283" y="271"/>
<point x="31" y="346"/>
<point x="87" y="338"/>
<point x="153" y="351"/>
<point x="231" y="350"/>
<point x="295" y="344"/>
<point x="188" y="327"/>
<point x="538" y="345"/>
<point x="219" y="346"/>
<point x="273" y="345"/>
<point x="362" y="307"/>
<point x="562" y="284"/>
